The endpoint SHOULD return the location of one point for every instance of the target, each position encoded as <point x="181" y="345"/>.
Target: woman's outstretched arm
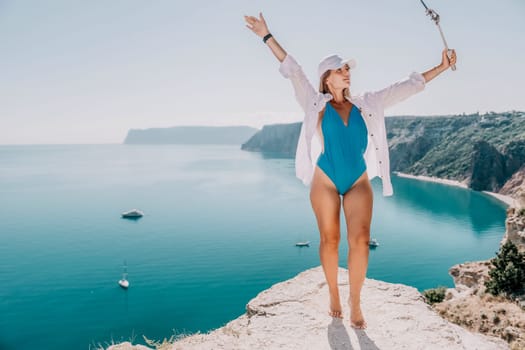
<point x="259" y="27"/>
<point x="445" y="64"/>
<point x="289" y="68"/>
<point x="416" y="82"/>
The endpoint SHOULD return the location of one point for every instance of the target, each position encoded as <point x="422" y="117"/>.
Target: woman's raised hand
<point x="257" y="25"/>
<point x="447" y="61"/>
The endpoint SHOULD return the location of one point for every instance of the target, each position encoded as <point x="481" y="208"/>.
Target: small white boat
<point x="124" y="283"/>
<point x="373" y="243"/>
<point x="133" y="214"/>
<point x="303" y="244"/>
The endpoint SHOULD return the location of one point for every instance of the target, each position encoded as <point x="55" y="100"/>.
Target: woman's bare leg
<point x="326" y="204"/>
<point x="357" y="206"/>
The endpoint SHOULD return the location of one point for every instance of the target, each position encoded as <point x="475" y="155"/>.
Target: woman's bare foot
<point x="356" y="317"/>
<point x="335" y="307"/>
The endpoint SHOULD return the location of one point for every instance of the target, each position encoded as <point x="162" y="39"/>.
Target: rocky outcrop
<point x="277" y="138"/>
<point x="487" y="169"/>
<point x="471" y="275"/>
<point x="293" y="315"/>
<point x="515" y="186"/>
<point x="514" y="153"/>
<point x="486" y="314"/>
<point x="515" y="228"/>
<point x="469" y="305"/>
<point x="492" y="169"/>
<point x="404" y="154"/>
<point x="515" y="221"/>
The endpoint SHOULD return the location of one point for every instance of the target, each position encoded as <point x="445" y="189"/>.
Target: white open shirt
<point x="370" y="104"/>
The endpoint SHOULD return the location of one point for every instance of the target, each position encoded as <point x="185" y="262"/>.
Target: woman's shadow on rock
<point x="339" y="339"/>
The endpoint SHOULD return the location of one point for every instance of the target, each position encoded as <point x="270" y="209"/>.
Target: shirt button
<point x="377" y="149"/>
<point x="371" y="134"/>
<point x="370" y="115"/>
<point x="379" y="162"/>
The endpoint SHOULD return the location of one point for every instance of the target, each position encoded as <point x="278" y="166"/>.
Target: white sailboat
<point x="124" y="283"/>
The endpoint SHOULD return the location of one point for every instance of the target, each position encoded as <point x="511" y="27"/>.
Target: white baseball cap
<point x="334" y="62"/>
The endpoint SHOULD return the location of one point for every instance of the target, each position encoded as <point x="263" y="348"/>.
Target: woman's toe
<point x="361" y="325"/>
<point x="335" y="313"/>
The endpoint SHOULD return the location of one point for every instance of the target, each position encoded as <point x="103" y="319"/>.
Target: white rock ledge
<point x="293" y="315"/>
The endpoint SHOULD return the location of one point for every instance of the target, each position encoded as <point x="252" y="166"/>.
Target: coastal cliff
<point x="470" y="305"/>
<point x="293" y="315"/>
<point x="483" y="151"/>
<point x="515" y="221"/>
<point x="514" y="186"/>
<point x="277" y="138"/>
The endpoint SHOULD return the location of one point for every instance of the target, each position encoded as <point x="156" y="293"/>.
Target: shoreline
<point x="507" y="200"/>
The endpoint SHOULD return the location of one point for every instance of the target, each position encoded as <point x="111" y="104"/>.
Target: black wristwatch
<point x="266" y="37"/>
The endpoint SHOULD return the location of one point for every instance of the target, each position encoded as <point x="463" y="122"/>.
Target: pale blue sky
<point x="87" y="71"/>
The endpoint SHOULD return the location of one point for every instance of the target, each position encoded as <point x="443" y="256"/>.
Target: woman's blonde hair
<point x="323" y="87"/>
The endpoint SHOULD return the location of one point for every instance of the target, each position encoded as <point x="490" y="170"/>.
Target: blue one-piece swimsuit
<point x="343" y="159"/>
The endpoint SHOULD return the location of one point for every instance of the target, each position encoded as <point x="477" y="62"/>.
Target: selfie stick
<point x="435" y="18"/>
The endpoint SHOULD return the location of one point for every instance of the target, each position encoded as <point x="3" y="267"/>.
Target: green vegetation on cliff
<point x="507" y="276"/>
<point x="450" y="147"/>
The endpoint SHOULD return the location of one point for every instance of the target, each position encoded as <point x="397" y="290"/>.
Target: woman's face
<point x="339" y="78"/>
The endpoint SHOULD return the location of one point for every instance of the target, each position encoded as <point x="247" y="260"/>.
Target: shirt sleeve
<point x="304" y="91"/>
<point x="400" y="91"/>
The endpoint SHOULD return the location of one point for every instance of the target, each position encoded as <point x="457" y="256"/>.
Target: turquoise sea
<point x="219" y="227"/>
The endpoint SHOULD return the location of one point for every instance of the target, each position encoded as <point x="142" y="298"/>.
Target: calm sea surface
<point x="219" y="227"/>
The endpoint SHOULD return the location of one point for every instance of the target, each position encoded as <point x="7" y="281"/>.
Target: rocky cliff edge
<point x="293" y="315"/>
